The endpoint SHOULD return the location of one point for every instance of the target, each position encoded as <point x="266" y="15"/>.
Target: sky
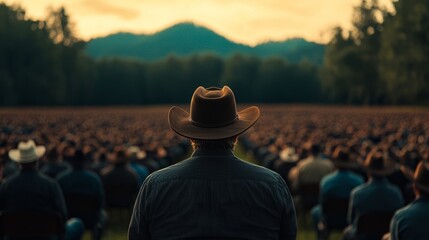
<point x="245" y="21"/>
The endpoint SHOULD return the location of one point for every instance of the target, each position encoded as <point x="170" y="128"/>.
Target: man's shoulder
<point x="232" y="168"/>
<point x="361" y="189"/>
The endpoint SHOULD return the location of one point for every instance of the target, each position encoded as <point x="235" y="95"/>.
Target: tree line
<point x="382" y="60"/>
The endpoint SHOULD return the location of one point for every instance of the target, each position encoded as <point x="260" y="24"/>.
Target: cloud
<point x="97" y="7"/>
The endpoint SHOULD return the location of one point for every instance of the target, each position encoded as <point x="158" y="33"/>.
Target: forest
<point x="382" y="60"/>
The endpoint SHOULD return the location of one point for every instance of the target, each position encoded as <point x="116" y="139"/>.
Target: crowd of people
<point x="372" y="160"/>
<point x="363" y="160"/>
<point x="98" y="158"/>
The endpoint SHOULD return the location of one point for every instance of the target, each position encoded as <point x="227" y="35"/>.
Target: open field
<point x="391" y="129"/>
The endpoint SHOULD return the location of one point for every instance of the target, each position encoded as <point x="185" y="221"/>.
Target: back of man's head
<point x="52" y="155"/>
<point x="78" y="160"/>
<point x="218" y="144"/>
<point x="315" y="149"/>
<point x="31" y="166"/>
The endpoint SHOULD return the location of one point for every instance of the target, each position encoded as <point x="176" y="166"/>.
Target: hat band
<point x="214" y="125"/>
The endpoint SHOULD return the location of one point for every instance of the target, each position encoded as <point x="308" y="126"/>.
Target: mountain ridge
<point x="187" y="38"/>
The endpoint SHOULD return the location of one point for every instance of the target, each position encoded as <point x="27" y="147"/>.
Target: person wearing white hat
<point x="31" y="190"/>
<point x="135" y="154"/>
<point x="213" y="194"/>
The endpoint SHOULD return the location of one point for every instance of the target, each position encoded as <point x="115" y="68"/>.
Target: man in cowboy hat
<point x="375" y="195"/>
<point x="336" y="185"/>
<point x="411" y="221"/>
<point x="286" y="161"/>
<point x="31" y="190"/>
<point x="213" y="194"/>
<point x="135" y="154"/>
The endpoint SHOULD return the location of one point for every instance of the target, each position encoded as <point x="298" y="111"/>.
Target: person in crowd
<point x="120" y="182"/>
<point x="54" y="165"/>
<point x="375" y="195"/>
<point x="79" y="181"/>
<point x="213" y="194"/>
<point x="9" y="167"/>
<point x="312" y="169"/>
<point x="100" y="162"/>
<point x="336" y="185"/>
<point x="1" y="168"/>
<point x="135" y="154"/>
<point x="31" y="190"/>
<point x="288" y="159"/>
<point x="410" y="222"/>
<point x="306" y="176"/>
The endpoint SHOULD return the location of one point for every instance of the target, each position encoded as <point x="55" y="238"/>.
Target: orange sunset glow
<point x="245" y="21"/>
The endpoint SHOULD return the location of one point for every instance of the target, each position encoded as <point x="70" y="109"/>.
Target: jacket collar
<point x="212" y="152"/>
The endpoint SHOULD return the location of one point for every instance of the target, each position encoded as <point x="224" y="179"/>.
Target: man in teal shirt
<point x="375" y="195"/>
<point x="336" y="185"/>
<point x="411" y="222"/>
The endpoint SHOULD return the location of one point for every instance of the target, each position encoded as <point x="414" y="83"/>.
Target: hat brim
<point x="179" y="121"/>
<point x="389" y="169"/>
<point x="348" y="165"/>
<point x="16" y="156"/>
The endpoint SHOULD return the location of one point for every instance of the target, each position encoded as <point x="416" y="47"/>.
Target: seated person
<point x="312" y="169"/>
<point x="54" y="165"/>
<point x="30" y="190"/>
<point x="80" y="181"/>
<point x="411" y="221"/>
<point x="337" y="185"/>
<point x="287" y="160"/>
<point x="135" y="154"/>
<point x="309" y="172"/>
<point x="375" y="195"/>
<point x="120" y="182"/>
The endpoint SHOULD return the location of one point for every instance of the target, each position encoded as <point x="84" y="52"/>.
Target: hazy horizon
<point x="249" y="22"/>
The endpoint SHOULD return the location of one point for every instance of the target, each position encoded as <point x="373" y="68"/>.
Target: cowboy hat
<point x="288" y="155"/>
<point x="378" y="165"/>
<point x="341" y="158"/>
<point x="27" y="152"/>
<point x="213" y="115"/>
<point x="136" y="153"/>
<point x="421" y="176"/>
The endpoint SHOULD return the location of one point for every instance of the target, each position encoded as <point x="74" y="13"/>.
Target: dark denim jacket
<point x="213" y="195"/>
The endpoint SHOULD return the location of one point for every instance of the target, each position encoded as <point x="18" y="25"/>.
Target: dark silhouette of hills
<point x="186" y="39"/>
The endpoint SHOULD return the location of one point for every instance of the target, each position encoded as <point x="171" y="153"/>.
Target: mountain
<point x="185" y="39"/>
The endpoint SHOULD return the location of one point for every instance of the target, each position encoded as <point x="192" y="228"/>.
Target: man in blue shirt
<point x="375" y="195"/>
<point x="336" y="185"/>
<point x="411" y="222"/>
<point x="31" y="190"/>
<point x="213" y="194"/>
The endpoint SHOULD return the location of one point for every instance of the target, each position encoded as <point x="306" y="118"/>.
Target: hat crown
<point x="376" y="162"/>
<point x="27" y="149"/>
<point x="213" y="107"/>
<point x="379" y="165"/>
